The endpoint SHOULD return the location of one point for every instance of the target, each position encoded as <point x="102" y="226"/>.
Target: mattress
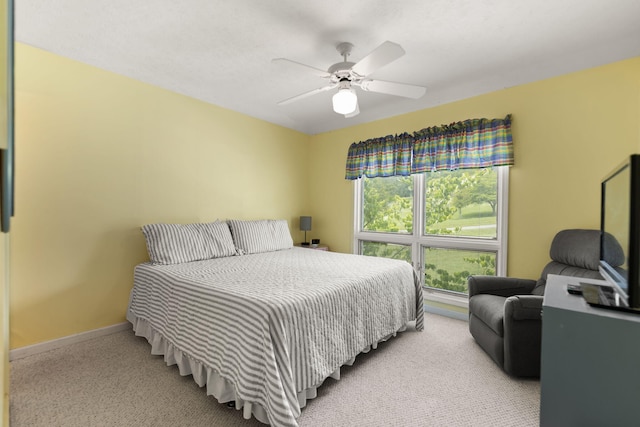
<point x="271" y="327"/>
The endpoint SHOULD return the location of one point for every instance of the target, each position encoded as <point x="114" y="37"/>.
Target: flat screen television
<point x="620" y="220"/>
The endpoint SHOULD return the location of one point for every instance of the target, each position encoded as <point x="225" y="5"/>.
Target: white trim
<point x="357" y="214"/>
<point x="503" y="222"/>
<point x="31" y="350"/>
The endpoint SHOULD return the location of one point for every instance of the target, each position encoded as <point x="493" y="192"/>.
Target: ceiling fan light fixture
<point x="345" y="101"/>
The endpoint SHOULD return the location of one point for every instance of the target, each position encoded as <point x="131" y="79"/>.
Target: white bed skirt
<point x="217" y="386"/>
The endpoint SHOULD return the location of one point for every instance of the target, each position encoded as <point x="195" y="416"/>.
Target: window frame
<point x="418" y="240"/>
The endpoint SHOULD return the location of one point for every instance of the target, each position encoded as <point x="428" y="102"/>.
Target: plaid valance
<point x="386" y="156"/>
<point x="474" y="143"/>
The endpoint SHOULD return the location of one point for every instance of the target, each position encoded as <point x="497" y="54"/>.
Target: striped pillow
<point x="265" y="235"/>
<point x="178" y="243"/>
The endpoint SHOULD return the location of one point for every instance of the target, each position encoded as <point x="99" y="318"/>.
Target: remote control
<point x="574" y="289"/>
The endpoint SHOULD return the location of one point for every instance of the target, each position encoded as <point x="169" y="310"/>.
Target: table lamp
<point x="305" y="225"/>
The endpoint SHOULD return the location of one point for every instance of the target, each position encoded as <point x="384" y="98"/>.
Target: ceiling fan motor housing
<point x="341" y="69"/>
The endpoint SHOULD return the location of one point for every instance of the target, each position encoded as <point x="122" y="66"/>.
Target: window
<point x="388" y="205"/>
<point x="448" y="224"/>
<point x="387" y="250"/>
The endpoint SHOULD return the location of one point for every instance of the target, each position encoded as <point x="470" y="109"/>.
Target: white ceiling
<point x="221" y="51"/>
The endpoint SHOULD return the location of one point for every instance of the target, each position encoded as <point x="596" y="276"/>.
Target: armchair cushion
<point x="581" y="249"/>
<point x="578" y="248"/>
<point x="538" y="289"/>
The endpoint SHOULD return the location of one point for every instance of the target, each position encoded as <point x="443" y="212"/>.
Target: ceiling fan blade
<point x="391" y="88"/>
<point x="382" y="55"/>
<point x="306" y="94"/>
<point x="314" y="70"/>
<point x="355" y="112"/>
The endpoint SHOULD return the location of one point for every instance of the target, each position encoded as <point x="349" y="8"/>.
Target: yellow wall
<point x="568" y="132"/>
<point x="98" y="155"/>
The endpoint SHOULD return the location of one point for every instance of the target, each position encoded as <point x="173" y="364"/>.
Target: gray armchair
<point x="505" y="313"/>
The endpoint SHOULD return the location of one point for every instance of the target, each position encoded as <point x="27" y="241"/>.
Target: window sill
<point x="454" y="306"/>
<point x="461" y="301"/>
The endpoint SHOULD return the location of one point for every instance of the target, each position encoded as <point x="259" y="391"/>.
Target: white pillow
<point x="178" y="243"/>
<point x="256" y="236"/>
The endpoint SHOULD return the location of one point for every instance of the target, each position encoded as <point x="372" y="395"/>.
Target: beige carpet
<point x="439" y="377"/>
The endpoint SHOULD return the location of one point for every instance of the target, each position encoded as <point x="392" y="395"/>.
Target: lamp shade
<point x="305" y="223"/>
<point x="345" y="101"/>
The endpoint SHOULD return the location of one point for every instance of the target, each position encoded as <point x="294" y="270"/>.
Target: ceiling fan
<point x="347" y="75"/>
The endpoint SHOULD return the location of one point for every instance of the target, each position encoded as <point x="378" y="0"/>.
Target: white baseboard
<point x="30" y="350"/>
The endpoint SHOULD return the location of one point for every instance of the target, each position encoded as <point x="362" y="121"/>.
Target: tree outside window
<point x="461" y="206"/>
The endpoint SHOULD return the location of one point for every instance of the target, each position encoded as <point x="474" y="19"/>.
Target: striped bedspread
<point x="277" y="323"/>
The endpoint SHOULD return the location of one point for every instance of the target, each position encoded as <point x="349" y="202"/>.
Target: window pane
<point x="462" y="203"/>
<point x="387" y="250"/>
<point x="448" y="269"/>
<point x="388" y="204"/>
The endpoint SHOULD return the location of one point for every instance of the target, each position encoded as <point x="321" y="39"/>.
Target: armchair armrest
<point x="523" y="307"/>
<point x="496" y="285"/>
<point x="523" y="335"/>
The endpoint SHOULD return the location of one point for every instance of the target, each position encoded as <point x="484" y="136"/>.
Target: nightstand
<point x="318" y="248"/>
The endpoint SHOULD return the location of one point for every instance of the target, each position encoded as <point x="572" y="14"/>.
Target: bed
<point x="265" y="324"/>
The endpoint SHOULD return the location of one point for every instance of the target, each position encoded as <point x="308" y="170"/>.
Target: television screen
<point x="620" y="227"/>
